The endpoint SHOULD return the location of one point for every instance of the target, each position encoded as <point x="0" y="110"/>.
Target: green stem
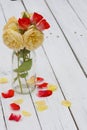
<point x="19" y="78"/>
<point x="24" y="61"/>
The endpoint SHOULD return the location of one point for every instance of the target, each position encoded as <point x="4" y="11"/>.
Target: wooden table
<point x="62" y="60"/>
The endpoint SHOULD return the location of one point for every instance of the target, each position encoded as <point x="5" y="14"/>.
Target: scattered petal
<point x="52" y="87"/>
<point x="15" y="106"/>
<point x="44" y="93"/>
<point x="43" y="85"/>
<point x="25" y="113"/>
<point x="31" y="81"/>
<point x="66" y="103"/>
<point x="42" y="107"/>
<point x="3" y="80"/>
<point x="14" y="117"/>
<point x="41" y="102"/>
<point x="39" y="79"/>
<point x="8" y="94"/>
<point x="19" y="101"/>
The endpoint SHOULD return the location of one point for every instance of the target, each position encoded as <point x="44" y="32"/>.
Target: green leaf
<point x="21" y="31"/>
<point x="23" y="53"/>
<point x="23" y="75"/>
<point x="25" y="15"/>
<point x="15" y="79"/>
<point x="25" y="66"/>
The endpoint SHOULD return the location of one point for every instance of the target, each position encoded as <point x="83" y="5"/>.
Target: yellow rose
<point x="12" y="24"/>
<point x="13" y="39"/>
<point x="33" y="38"/>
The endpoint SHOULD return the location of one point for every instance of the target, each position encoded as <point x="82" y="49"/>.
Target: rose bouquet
<point x="24" y="35"/>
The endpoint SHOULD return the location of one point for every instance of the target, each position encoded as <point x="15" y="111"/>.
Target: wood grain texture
<point x="66" y="68"/>
<point x="73" y="29"/>
<point x="56" y="63"/>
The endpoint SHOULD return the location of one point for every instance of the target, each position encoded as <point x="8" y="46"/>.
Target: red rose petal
<point x="24" y="23"/>
<point x="17" y="117"/>
<point x="9" y="94"/>
<point x="43" y="85"/>
<point x="14" y="117"/>
<point x="36" y="18"/>
<point x="11" y="117"/>
<point x="42" y="25"/>
<point x="15" y="106"/>
<point x="39" y="79"/>
<point x="44" y="93"/>
<point x="4" y="95"/>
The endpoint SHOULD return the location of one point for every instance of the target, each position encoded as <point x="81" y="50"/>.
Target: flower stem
<point x="24" y="61"/>
<point x="19" y="78"/>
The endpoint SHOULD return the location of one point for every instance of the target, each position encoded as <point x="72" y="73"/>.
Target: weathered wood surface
<point x="62" y="60"/>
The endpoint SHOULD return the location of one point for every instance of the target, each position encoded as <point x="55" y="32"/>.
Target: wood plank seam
<point x="61" y="90"/>
<point x="3" y="115"/>
<point x="3" y="11"/>
<point x="57" y="82"/>
<point x="35" y="110"/>
<point x="53" y="70"/>
<point x="23" y="5"/>
<point x="67" y="41"/>
<point x="0" y="98"/>
<point x="76" y="14"/>
<point x="29" y="91"/>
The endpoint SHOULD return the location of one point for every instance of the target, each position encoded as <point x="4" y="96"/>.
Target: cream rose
<point x="12" y="24"/>
<point x="13" y="39"/>
<point x="33" y="38"/>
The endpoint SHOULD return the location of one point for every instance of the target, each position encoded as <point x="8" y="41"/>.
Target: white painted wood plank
<point x="5" y="53"/>
<point x="72" y="27"/>
<point x="6" y="65"/>
<point x="68" y="72"/>
<point x="56" y="111"/>
<point x="27" y="123"/>
<point x="2" y="124"/>
<point x="80" y="7"/>
<point x="44" y="117"/>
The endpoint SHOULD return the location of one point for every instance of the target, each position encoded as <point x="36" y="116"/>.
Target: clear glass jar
<point x="23" y="71"/>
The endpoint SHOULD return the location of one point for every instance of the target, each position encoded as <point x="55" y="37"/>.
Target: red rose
<point x="23" y="23"/>
<point x="36" y="18"/>
<point x="42" y="25"/>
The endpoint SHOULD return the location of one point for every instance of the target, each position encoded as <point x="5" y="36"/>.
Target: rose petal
<point x="42" y="108"/>
<point x="19" y="101"/>
<point x="41" y="102"/>
<point x="3" y="80"/>
<point x="36" y="18"/>
<point x="66" y="103"/>
<point x="52" y="87"/>
<point x="39" y="79"/>
<point x="15" y="106"/>
<point x="23" y="23"/>
<point x="25" y="113"/>
<point x="41" y="105"/>
<point x="9" y="94"/>
<point x="31" y="81"/>
<point x="43" y="85"/>
<point x="44" y="93"/>
<point x="42" y="25"/>
<point x="14" y="117"/>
